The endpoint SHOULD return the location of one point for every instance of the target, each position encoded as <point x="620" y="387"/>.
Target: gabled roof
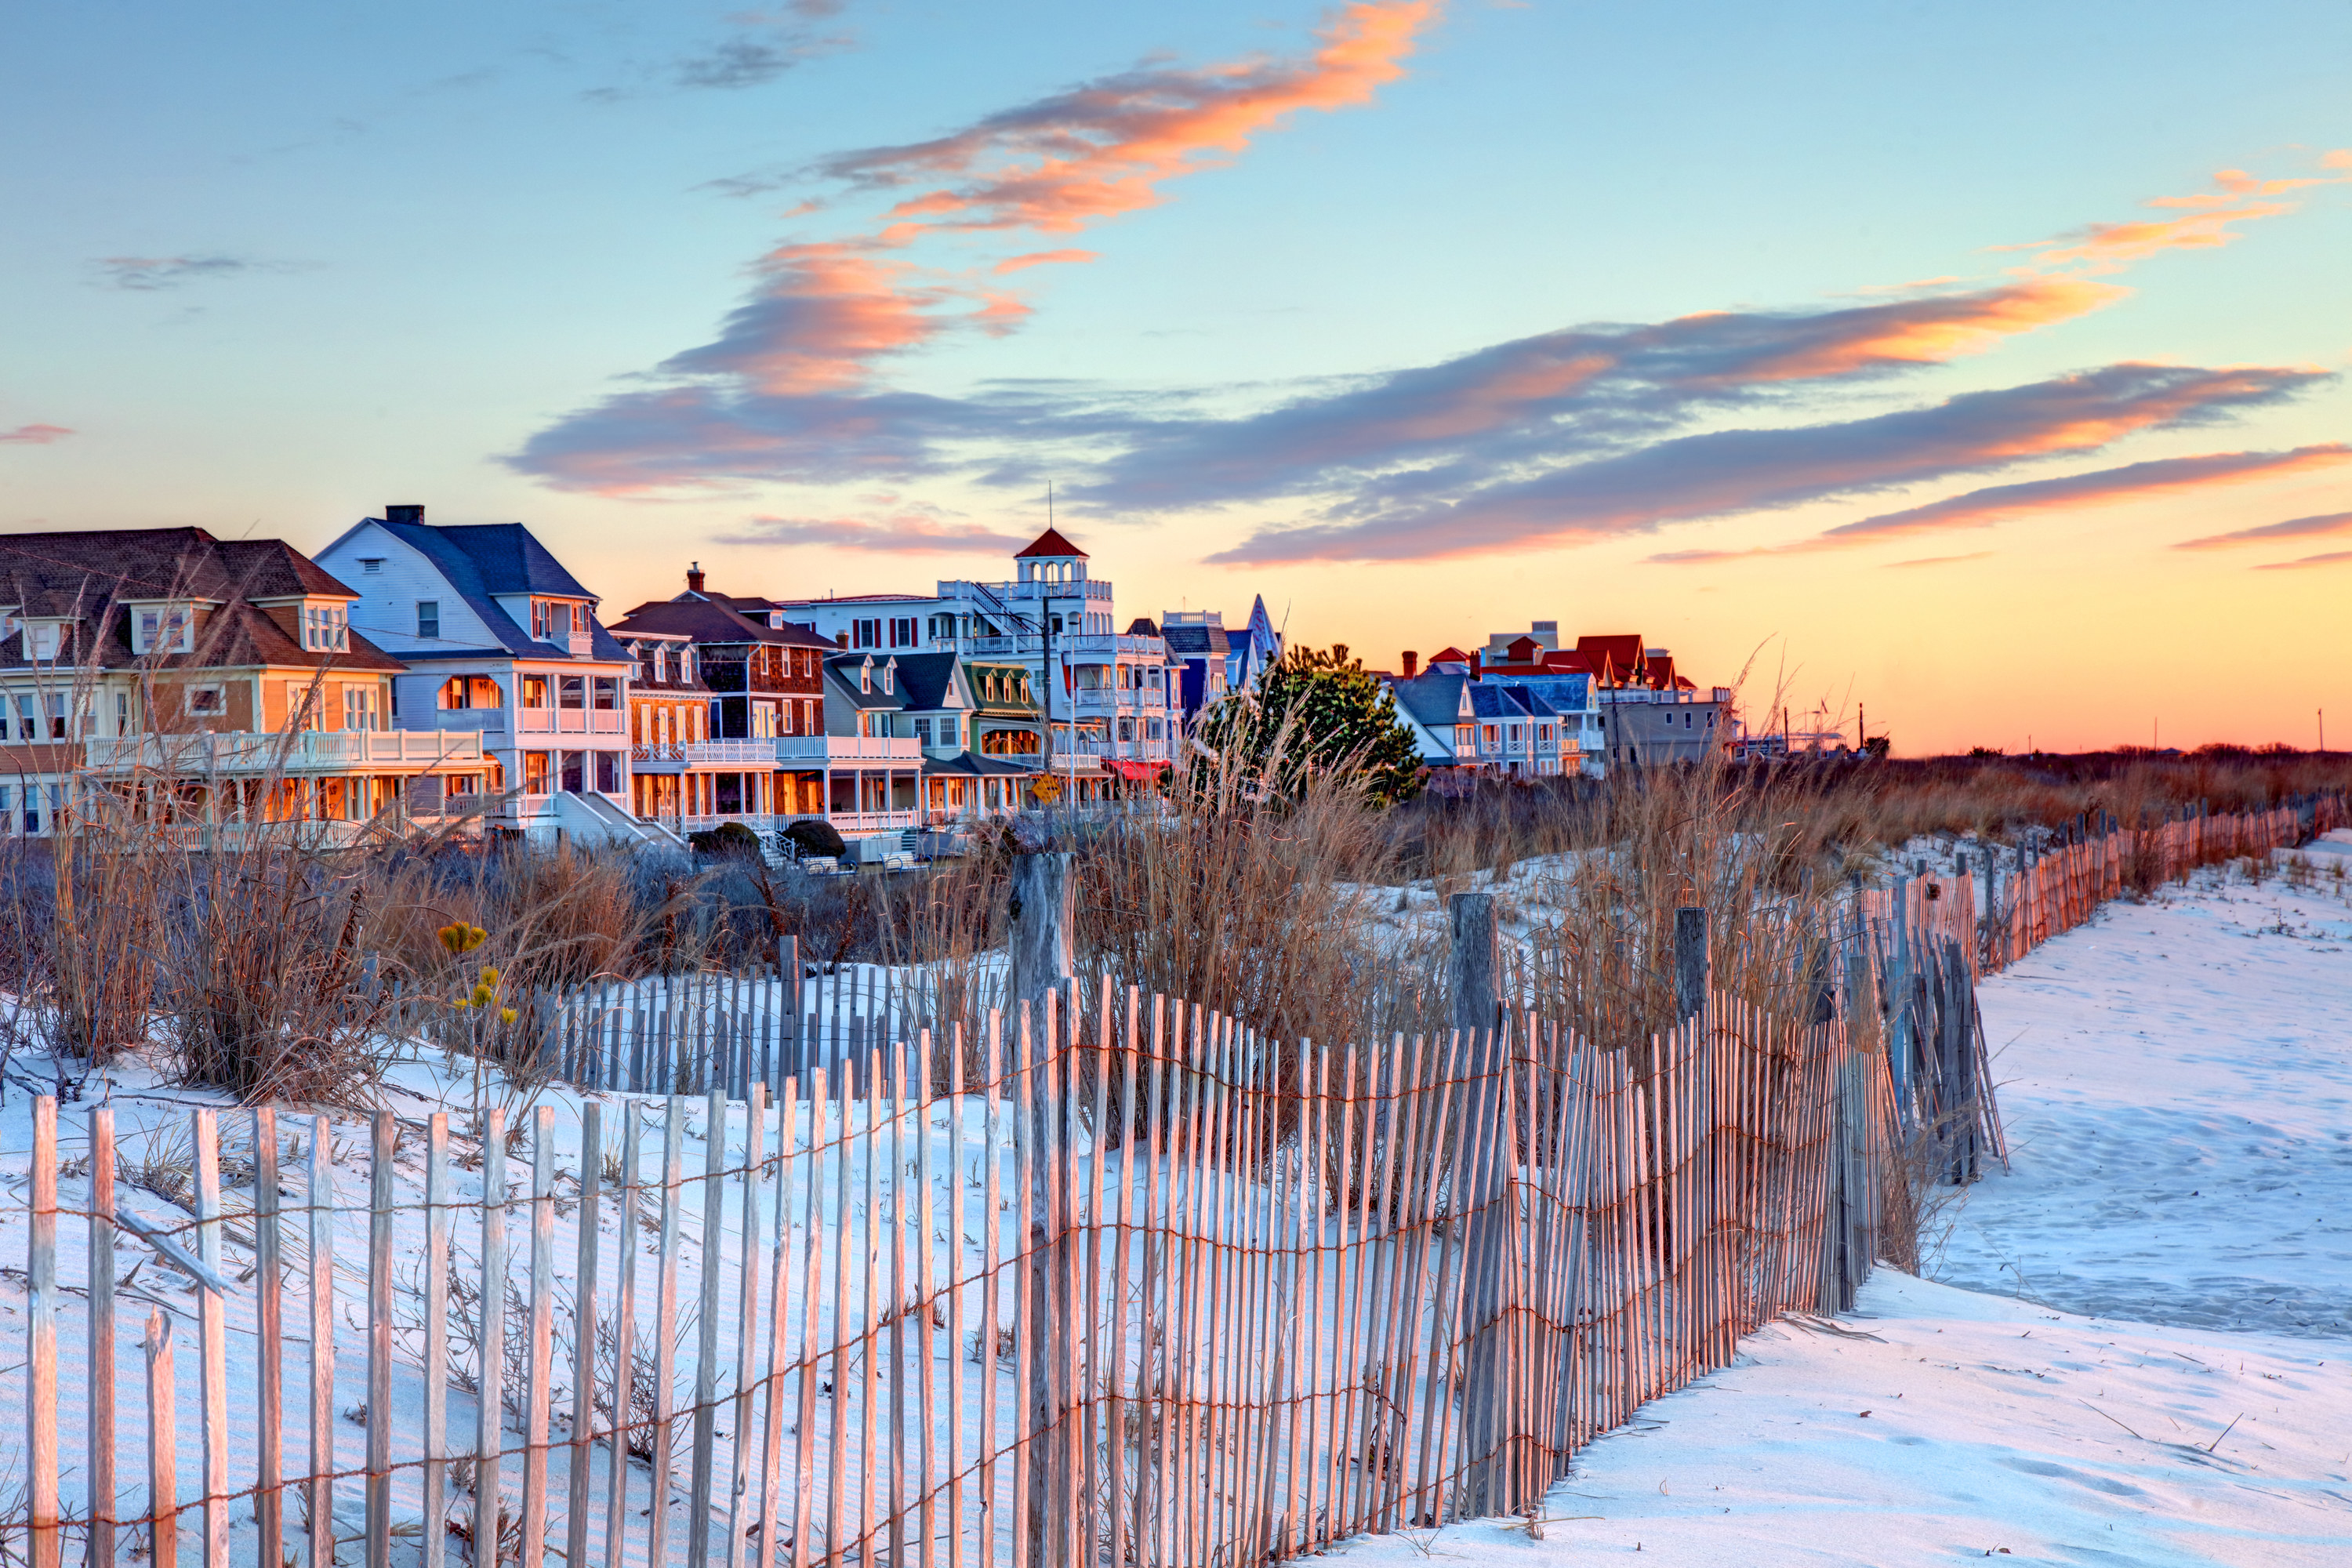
<point x="706" y="620"/>
<point x="923" y="680"/>
<point x="1615" y="658"/>
<point x="1193" y="637"/>
<point x="88" y="576"/>
<point x="1433" y="698"/>
<point x="505" y="557"/>
<point x="1051" y="543"/>
<point x="841" y="669"/>
<point x="482" y="560"/>
<point x="1449" y="655"/>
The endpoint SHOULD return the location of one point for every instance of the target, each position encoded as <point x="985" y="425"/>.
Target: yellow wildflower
<point x="505" y="1015"/>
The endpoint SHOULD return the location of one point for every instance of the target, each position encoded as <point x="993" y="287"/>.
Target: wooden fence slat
<point x="436" y="1337"/>
<point x="665" y="1332"/>
<point x="771" y="1446"/>
<point x="489" y="1399"/>
<point x="577" y="1465"/>
<point x="540" y="1393"/>
<point x="624" y="1339"/>
<point x="211" y="1332"/>
<point x="710" y="1275"/>
<point x="320" y="1494"/>
<point x="162" y="1455"/>
<point x="739" y="1513"/>
<point x="387" y="1135"/>
<point x="41" y="1342"/>
<point x="811" y="1295"/>
<point x="101" y="1341"/>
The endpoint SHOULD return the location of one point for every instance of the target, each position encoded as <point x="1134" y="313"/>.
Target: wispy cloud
<point x="2068" y="492"/>
<point x="2202" y="221"/>
<point x="1943" y="560"/>
<point x="146" y="274"/>
<point x="799" y="355"/>
<point x="1073" y="158"/>
<point x="907" y="533"/>
<point x="1042" y="259"/>
<point x="1727" y="472"/>
<point x="33" y="435"/>
<point x="2333" y="558"/>
<point x="1565" y="393"/>
<point x="2293" y="528"/>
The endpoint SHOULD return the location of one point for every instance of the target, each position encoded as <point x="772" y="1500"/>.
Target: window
<point x="125" y="721"/>
<point x="661" y="661"/>
<point x="428" y="619"/>
<point x="866" y="676"/>
<point x="686" y="665"/>
<point x="923" y="731"/>
<point x="763" y="721"/>
<point x="205" y="701"/>
<point x="57" y="705"/>
<point x="792" y="718"/>
<point x="889" y="675"/>
<point x="1127" y="729"/>
<point x="46" y="640"/>
<point x="865" y="634"/>
<point x="572" y="771"/>
<point x="538" y="612"/>
<point x="325" y="628"/>
<point x="608" y="772"/>
<point x="902" y="631"/>
<point x="579" y="617"/>
<point x="571" y="692"/>
<point x="536" y="772"/>
<point x="1152" y="730"/>
<point x="534" y="691"/>
<point x="359" y="708"/>
<point x="163" y="630"/>
<point x="606" y="694"/>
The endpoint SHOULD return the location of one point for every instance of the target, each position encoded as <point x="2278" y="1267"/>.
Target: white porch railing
<point x="828" y="749"/>
<point x="571" y="721"/>
<point x="313" y="751"/>
<point x="740" y="753"/>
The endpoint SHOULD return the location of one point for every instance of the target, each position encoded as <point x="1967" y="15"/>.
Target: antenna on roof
<point x="1049" y="503"/>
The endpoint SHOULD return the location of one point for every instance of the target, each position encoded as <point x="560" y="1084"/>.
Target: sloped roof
<point x="1193" y="637"/>
<point x="1615" y="657"/>
<point x="89" y="575"/>
<point x="841" y="669"/>
<point x="706" y="620"/>
<point x="479" y="561"/>
<point x="1051" y="543"/>
<point x="1142" y="626"/>
<point x="1433" y="698"/>
<point x="1449" y="655"/>
<point x="923" y="679"/>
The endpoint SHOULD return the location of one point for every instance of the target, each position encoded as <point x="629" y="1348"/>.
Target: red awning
<point x="1133" y="771"/>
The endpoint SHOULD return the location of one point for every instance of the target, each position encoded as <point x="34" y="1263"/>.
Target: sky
<point x="1982" y="368"/>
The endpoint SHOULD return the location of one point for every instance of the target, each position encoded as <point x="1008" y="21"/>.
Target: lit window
<point x="359" y="708"/>
<point x="325" y="628"/>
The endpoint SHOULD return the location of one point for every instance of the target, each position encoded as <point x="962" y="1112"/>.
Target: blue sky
<point x="1384" y="297"/>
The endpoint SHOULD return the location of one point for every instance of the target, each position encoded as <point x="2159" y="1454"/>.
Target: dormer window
<point x="866" y="676"/>
<point x="163" y="629"/>
<point x="555" y="618"/>
<point x="889" y="675"/>
<point x="661" y="661"/>
<point x="326" y="628"/>
<point x="685" y="663"/>
<point x="47" y="638"/>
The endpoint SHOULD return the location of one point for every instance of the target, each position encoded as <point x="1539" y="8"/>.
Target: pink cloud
<point x="2204" y="220"/>
<point x="1097" y="150"/>
<point x="2333" y="558"/>
<point x="2293" y="528"/>
<point x="33" y="434"/>
<point x="1042" y="257"/>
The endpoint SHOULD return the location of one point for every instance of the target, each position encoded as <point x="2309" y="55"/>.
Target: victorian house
<point x="200" y="682"/>
<point x="503" y="644"/>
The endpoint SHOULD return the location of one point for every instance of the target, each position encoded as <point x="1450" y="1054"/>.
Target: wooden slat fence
<point x="1137" y="1287"/>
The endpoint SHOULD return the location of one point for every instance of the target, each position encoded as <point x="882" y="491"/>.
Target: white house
<point x="503" y="642"/>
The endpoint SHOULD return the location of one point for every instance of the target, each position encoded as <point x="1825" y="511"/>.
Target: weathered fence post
<point x="1042" y="910"/>
<point x="1690" y="962"/>
<point x="1474" y="963"/>
<point x="1472" y="987"/>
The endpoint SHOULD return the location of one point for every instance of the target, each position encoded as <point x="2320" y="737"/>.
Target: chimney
<point x="406" y="513"/>
<point x="841" y="639"/>
<point x="1477" y="663"/>
<point x="694" y="577"/>
<point x="1411" y="663"/>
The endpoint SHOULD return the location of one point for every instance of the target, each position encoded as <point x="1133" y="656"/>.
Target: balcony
<point x="469" y="721"/>
<point x="304" y="752"/>
<point x="828" y="751"/>
<point x="657" y="759"/>
<point x="738" y="753"/>
<point x="1122" y="700"/>
<point x="571" y="721"/>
